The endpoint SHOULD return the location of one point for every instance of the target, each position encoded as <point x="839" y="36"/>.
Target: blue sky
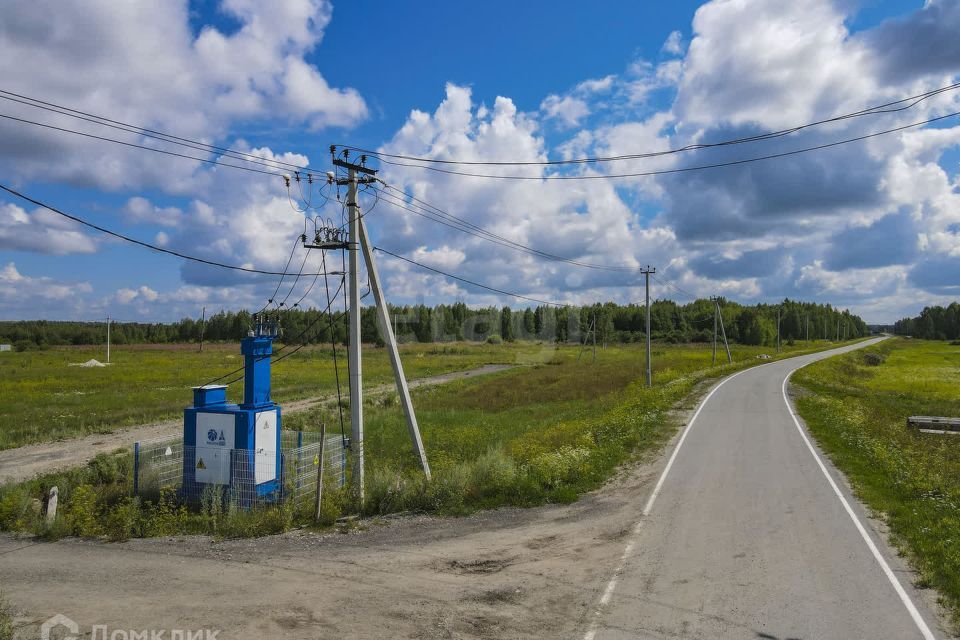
<point x="872" y="226"/>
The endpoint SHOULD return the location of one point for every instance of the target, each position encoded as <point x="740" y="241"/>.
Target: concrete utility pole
<point x="646" y="272"/>
<point x="353" y="349"/>
<point x="838" y="329"/>
<point x="203" y="323"/>
<point x="778" y="329"/>
<point x="726" y="344"/>
<point x="808" y="327"/>
<point x="108" y="339"/>
<point x="715" y="307"/>
<point x="357" y="241"/>
<point x="383" y="316"/>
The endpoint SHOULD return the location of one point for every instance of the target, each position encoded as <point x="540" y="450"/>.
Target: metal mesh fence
<point x="220" y="478"/>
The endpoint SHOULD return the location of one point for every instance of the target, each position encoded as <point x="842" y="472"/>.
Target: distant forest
<point x="693" y="322"/>
<point x="933" y="323"/>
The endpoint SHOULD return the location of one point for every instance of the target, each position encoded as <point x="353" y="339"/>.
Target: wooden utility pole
<point x="591" y="330"/>
<point x="594" y="337"/>
<point x="108" y="339"/>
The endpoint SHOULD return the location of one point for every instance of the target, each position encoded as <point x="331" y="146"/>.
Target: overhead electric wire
<point x="440" y="216"/>
<point x="293" y="249"/>
<point x="508" y="177"/>
<point x="141" y="243"/>
<point x="470" y="282"/>
<point x="280" y="350"/>
<point x="333" y="343"/>
<point x="716" y="165"/>
<point x="275" y="164"/>
<point x="299" y="275"/>
<point x="309" y="289"/>
<point x="145" y="132"/>
<point x="140" y="146"/>
<point x="876" y="110"/>
<point x="680" y="290"/>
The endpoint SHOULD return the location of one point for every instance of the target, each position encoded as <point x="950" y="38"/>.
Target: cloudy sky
<point x="873" y="225"/>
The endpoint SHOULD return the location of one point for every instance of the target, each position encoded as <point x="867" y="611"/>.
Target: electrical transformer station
<point x="230" y="445"/>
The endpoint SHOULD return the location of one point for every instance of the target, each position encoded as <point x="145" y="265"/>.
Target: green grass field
<point x="44" y="398"/>
<point x="545" y="431"/>
<point x="858" y="411"/>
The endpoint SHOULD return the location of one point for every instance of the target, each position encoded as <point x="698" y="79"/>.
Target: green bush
<point x="16" y="509"/>
<point x="24" y="345"/>
<point x="447" y="490"/>
<point x="873" y="359"/>
<point x="494" y="339"/>
<point x="166" y="517"/>
<point x="82" y="514"/>
<point x="122" y="521"/>
<point x="566" y="464"/>
<point x="491" y="474"/>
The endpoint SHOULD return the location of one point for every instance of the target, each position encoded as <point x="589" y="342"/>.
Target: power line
<point x="911" y="101"/>
<point x="140" y="146"/>
<point x="293" y="250"/>
<point x="431" y="212"/>
<point x="716" y="165"/>
<point x="280" y="350"/>
<point x="141" y="243"/>
<point x="470" y="282"/>
<point x="143" y="131"/>
<point x="679" y="290"/>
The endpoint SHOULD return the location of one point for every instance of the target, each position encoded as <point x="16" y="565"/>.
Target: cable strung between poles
<point x="471" y="282"/>
<point x="876" y="110"/>
<point x="660" y="172"/>
<point x="141" y="243"/>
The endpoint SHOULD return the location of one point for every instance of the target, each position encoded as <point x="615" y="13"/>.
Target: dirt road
<point x="25" y="462"/>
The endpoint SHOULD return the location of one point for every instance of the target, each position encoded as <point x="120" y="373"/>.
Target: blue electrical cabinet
<point x="235" y="446"/>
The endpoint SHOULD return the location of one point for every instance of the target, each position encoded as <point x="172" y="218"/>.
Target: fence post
<point x="323" y="439"/>
<point x="299" y="463"/>
<point x="136" y="468"/>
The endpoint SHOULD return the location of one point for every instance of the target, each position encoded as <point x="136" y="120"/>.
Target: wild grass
<point x="43" y="398"/>
<point x="545" y="431"/>
<point x="858" y="411"/>
<point x="6" y="619"/>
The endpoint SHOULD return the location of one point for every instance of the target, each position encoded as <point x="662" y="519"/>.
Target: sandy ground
<point x="25" y="462"/>
<point x="507" y="573"/>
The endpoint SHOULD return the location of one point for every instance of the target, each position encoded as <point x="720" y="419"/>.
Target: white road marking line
<point x="612" y="584"/>
<point x="904" y="597"/>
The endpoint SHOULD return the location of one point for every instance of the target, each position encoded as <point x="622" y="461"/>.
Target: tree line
<point x="933" y="323"/>
<point x="612" y="323"/>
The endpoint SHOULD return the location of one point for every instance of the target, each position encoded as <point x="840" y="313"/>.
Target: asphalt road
<point x="748" y="537"/>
